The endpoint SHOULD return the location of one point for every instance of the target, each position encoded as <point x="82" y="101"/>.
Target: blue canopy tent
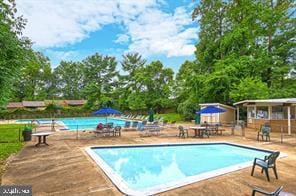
<point x="210" y="110"/>
<point x="106" y="111"/>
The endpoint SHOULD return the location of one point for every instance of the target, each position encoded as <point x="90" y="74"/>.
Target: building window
<point x="277" y="112"/>
<point x="251" y="112"/>
<point x="262" y="112"/>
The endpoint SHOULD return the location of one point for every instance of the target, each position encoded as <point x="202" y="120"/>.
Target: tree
<point x="35" y="79"/>
<point x="14" y="48"/>
<point x="153" y="86"/>
<point x="250" y="88"/>
<point x="131" y="64"/>
<point x="69" y="80"/>
<point x="100" y="79"/>
<point x="244" y="45"/>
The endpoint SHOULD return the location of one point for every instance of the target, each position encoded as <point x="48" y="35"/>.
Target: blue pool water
<point x="145" y="167"/>
<point x="81" y="123"/>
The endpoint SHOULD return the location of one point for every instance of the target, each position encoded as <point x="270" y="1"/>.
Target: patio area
<point x="64" y="168"/>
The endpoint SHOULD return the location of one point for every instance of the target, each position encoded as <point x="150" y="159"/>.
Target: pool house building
<point x="279" y="113"/>
<point x="226" y="117"/>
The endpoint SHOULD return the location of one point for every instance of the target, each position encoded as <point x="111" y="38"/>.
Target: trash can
<point x="27" y="134"/>
<point x="197" y="119"/>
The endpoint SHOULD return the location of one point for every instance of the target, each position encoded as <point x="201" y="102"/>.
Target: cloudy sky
<point x="74" y="29"/>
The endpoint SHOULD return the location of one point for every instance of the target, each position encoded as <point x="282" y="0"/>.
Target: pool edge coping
<point x="122" y="186"/>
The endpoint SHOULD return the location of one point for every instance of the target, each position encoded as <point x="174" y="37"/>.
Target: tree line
<point x="246" y="50"/>
<point x="96" y="79"/>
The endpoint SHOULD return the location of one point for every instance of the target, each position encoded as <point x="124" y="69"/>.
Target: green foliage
<point x="152" y="87"/>
<point x="250" y="88"/>
<point x="246" y="50"/>
<point x="68" y="80"/>
<point x="100" y="78"/>
<point x="34" y="80"/>
<point x="14" y="49"/>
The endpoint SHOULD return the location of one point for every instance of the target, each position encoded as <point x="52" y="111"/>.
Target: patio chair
<point x="101" y="129"/>
<point x="266" y="163"/>
<point x="207" y="130"/>
<point x="109" y="125"/>
<point x="261" y="191"/>
<point x="183" y="132"/>
<point x="117" y="131"/>
<point x="100" y="126"/>
<point x="264" y="132"/>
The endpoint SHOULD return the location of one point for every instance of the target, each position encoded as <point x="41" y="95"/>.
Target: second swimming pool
<point x="150" y="169"/>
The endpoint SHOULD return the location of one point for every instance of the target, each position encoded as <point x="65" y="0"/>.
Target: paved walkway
<point x="63" y="168"/>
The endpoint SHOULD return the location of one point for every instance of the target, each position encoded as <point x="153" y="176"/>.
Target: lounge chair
<point x="103" y="130"/>
<point x="150" y="129"/>
<point x="144" y="122"/>
<point x="135" y="124"/>
<point x="127" y="124"/>
<point x="274" y="193"/>
<point x="266" y="163"/>
<point x="109" y="125"/>
<point x="264" y="132"/>
<point x="183" y="132"/>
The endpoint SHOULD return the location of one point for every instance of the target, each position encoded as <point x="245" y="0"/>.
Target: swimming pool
<point x="150" y="169"/>
<point x="80" y="123"/>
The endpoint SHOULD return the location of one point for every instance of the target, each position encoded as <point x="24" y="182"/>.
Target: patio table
<point x="198" y="131"/>
<point x="40" y="136"/>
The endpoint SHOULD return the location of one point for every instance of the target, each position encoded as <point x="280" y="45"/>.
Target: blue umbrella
<point x="106" y="111"/>
<point x="210" y="110"/>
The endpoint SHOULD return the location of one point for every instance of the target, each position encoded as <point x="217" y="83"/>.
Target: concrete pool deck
<point x="64" y="168"/>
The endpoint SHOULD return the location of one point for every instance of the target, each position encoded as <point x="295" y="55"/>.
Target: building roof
<point x="217" y="104"/>
<point x="280" y="101"/>
<point x="75" y="102"/>
<point x="33" y="104"/>
<point x="15" y="105"/>
<point x="56" y="102"/>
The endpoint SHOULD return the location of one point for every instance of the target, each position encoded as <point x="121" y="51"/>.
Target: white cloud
<point x="157" y="32"/>
<point x="122" y="38"/>
<point x="148" y="28"/>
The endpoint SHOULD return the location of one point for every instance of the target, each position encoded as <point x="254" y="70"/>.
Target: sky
<point x="74" y="29"/>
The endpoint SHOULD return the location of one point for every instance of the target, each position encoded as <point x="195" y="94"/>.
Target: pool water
<point x="143" y="167"/>
<point x="81" y="123"/>
<point x="89" y="123"/>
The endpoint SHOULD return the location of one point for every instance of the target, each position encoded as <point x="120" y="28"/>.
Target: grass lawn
<point x="9" y="142"/>
<point x="171" y="117"/>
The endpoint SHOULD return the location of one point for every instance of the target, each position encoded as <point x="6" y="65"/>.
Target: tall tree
<point x="242" y="39"/>
<point x="13" y="46"/>
<point x="153" y="87"/>
<point x="35" y="79"/>
<point x="69" y="80"/>
<point x="131" y="64"/>
<point x="100" y="79"/>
